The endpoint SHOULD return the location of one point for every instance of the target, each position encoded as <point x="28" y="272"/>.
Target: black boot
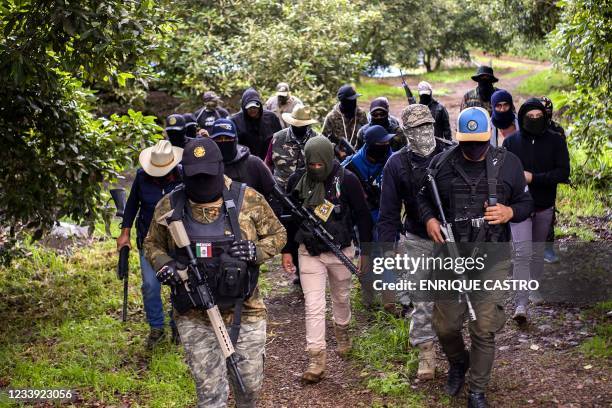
<point x="456" y="375"/>
<point x="477" y="400"/>
<point x="155" y="337"/>
<point x="176" y="338"/>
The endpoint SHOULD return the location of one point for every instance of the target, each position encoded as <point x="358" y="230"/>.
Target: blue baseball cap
<point x="223" y="127"/>
<point x="376" y="134"/>
<point x="175" y="122"/>
<point x="473" y="125"/>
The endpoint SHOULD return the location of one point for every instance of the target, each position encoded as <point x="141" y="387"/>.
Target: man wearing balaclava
<point x="403" y="177"/>
<point x="211" y="111"/>
<point x="481" y="95"/>
<point x="254" y="124"/>
<point x="287" y="157"/>
<point x="438" y="111"/>
<point x="335" y="196"/>
<point x="545" y="159"/>
<point x="345" y="119"/>
<point x="503" y="120"/>
<point x="240" y="165"/>
<point x="379" y="115"/>
<point x="481" y="189"/>
<point x="282" y="102"/>
<point x="209" y="206"/>
<point x="175" y="130"/>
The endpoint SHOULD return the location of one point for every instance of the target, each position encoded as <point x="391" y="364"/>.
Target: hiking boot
<point x="155" y="337"/>
<point x="477" y="400"/>
<point x="520" y="315"/>
<point x="456" y="375"/>
<point x="536" y="298"/>
<point x="549" y="254"/>
<point x="316" y="366"/>
<point x="427" y="361"/>
<point x="343" y="339"/>
<point x="393" y="309"/>
<point x="176" y="337"/>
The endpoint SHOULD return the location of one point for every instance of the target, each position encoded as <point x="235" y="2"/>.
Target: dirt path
<point x="286" y="359"/>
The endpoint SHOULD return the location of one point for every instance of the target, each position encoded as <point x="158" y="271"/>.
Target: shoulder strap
<point x="495" y="160"/>
<point x="233" y="198"/>
<point x="442" y="158"/>
<point x="178" y="199"/>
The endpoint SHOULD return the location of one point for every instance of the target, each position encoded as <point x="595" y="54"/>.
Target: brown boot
<point x="316" y="366"/>
<point x="427" y="361"/>
<point x="343" y="339"/>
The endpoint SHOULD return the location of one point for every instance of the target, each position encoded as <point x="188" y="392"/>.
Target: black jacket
<point x="353" y="194"/>
<point x="545" y="156"/>
<point x="510" y="176"/>
<point x="400" y="188"/>
<point x="251" y="170"/>
<point x="255" y="133"/>
<point x="440" y="114"/>
<point x="206" y="118"/>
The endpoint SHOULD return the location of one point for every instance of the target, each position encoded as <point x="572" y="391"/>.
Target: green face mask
<point x="319" y="174"/>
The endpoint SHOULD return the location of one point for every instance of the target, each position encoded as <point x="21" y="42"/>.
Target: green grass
<point x="599" y="346"/>
<point x="61" y="328"/>
<point x="448" y="76"/>
<point x="547" y="82"/>
<point x="371" y="88"/>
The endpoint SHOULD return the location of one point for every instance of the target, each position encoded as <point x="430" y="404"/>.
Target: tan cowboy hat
<point x="300" y="116"/>
<point x="159" y="160"/>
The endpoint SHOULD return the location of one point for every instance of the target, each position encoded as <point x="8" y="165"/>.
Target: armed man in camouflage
<point x="282" y="102"/>
<point x="481" y="95"/>
<point x="345" y="119"/>
<point x="403" y="177"/>
<point x="206" y="205"/>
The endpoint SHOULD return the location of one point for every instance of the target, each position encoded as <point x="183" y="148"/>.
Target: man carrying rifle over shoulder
<point x="334" y="196"/>
<point x="481" y="188"/>
<point x="229" y="230"/>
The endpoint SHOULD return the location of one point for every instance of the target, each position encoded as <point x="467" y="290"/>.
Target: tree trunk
<point x="438" y="63"/>
<point x="427" y="62"/>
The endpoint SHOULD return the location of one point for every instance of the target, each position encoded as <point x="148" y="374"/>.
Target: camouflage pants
<point x="208" y="365"/>
<point x="420" y="317"/>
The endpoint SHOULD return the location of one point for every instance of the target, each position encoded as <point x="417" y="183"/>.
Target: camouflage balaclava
<point x="419" y="130"/>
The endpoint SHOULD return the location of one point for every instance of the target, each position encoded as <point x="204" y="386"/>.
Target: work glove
<point x="168" y="275"/>
<point x="244" y="250"/>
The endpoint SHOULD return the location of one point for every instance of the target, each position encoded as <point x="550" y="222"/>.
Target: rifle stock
<point x="313" y="225"/>
<point x="196" y="284"/>
<point x="409" y="96"/>
<point x="123" y="274"/>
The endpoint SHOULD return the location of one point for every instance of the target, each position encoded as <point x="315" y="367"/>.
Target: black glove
<point x="244" y="250"/>
<point x="168" y="275"/>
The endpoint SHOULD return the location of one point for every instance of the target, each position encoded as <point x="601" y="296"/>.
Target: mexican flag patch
<point x="203" y="250"/>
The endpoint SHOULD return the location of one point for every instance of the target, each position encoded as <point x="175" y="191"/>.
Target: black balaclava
<point x="532" y="127"/>
<point x="485" y="88"/>
<point x="299" y="131"/>
<point x="176" y="137"/>
<point x="474" y="150"/>
<point x="348" y="107"/>
<point x="384" y="121"/>
<point x="378" y="152"/>
<point x="379" y="105"/>
<point x="204" y="188"/>
<point x="229" y="149"/>
<point x="282" y="100"/>
<point x="424" y="99"/>
<point x="502" y="120"/>
<point x="191" y="131"/>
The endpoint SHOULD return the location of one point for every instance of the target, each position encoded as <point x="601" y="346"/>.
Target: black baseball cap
<point x="175" y="122"/>
<point x="223" y="127"/>
<point x="202" y="156"/>
<point x="347" y="92"/>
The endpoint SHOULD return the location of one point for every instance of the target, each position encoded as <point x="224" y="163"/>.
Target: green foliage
<point x="62" y="329"/>
<point x="529" y="20"/>
<point x="582" y="47"/>
<point x="599" y="346"/>
<point x="59" y="152"/>
<point x="548" y="82"/>
<point x="534" y="50"/>
<point x="441" y="29"/>
<point x="231" y="45"/>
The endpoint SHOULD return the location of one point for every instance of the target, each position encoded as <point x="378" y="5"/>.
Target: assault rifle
<point x="313" y="225"/>
<point x="118" y="195"/>
<point x="196" y="285"/>
<point x="447" y="231"/>
<point x="409" y="96"/>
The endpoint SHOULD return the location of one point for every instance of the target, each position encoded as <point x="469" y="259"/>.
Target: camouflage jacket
<point x="288" y="154"/>
<point x="336" y="127"/>
<point x="257" y="223"/>
<point x="272" y="105"/>
<point x="472" y="99"/>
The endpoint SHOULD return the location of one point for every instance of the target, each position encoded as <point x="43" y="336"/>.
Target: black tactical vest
<point x="230" y="280"/>
<point x="338" y="224"/>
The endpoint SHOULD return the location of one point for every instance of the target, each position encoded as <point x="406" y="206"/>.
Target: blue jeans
<point x="151" y="295"/>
